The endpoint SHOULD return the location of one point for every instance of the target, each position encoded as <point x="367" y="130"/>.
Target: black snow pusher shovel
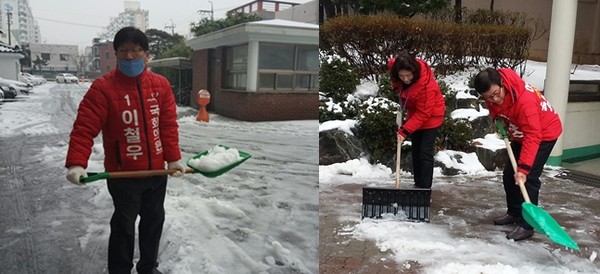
<point x="414" y="203"/>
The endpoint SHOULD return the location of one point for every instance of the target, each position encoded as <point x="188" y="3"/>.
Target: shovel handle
<point x="398" y="152"/>
<point x="513" y="161"/>
<point x="94" y="176"/>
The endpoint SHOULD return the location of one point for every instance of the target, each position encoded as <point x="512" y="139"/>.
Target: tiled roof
<point x="8" y="49"/>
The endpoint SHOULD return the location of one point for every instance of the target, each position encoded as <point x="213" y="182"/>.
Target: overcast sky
<point x="78" y="22"/>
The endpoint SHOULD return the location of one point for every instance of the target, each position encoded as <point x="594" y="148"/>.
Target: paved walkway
<point x="589" y="166"/>
<point x="340" y="210"/>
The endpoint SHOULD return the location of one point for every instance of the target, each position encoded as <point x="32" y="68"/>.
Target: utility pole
<point x="8" y="9"/>
<point x="172" y="27"/>
<point x="211" y="11"/>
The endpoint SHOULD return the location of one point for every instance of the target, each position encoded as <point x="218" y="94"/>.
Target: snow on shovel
<point x="534" y="215"/>
<point x="210" y="163"/>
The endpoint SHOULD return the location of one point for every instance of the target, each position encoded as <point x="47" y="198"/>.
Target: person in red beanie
<point x="421" y="97"/>
<point x="534" y="127"/>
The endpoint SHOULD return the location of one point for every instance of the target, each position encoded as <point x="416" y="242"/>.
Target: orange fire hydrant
<point x="203" y="100"/>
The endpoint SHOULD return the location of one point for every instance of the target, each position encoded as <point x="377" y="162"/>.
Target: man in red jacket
<point x="425" y="107"/>
<point x="534" y="127"/>
<point x="136" y="113"/>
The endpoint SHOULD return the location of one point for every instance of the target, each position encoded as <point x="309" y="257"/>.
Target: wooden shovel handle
<point x="94" y="176"/>
<point x="145" y="173"/>
<point x="513" y="161"/>
<point x="398" y="149"/>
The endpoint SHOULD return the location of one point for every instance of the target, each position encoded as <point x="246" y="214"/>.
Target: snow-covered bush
<point x="337" y="79"/>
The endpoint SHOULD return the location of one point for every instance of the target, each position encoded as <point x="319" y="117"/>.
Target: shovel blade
<point x="413" y="203"/>
<point x="545" y="224"/>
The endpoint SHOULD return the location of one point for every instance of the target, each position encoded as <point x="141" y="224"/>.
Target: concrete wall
<point x="581" y="126"/>
<point x="10" y="66"/>
<point x="307" y="13"/>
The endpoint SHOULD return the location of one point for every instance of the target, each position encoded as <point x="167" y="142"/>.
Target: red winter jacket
<point x="531" y="119"/>
<point x="138" y="120"/>
<point x="425" y="105"/>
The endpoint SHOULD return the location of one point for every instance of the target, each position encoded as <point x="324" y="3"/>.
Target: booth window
<point x="236" y="67"/>
<point x="288" y="67"/>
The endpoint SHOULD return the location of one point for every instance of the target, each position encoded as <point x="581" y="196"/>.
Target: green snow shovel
<point x="94" y="176"/>
<point x="534" y="215"/>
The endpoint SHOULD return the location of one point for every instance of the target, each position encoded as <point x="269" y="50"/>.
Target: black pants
<point x="514" y="198"/>
<point x="422" y="153"/>
<point x="133" y="197"/>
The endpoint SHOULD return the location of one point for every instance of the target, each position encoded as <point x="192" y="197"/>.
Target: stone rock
<point x="448" y="171"/>
<point x="491" y="159"/>
<point x="337" y="146"/>
<point x="482" y="126"/>
<point x="466" y="103"/>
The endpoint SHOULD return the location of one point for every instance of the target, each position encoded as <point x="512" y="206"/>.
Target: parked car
<point x="66" y="78"/>
<point x="8" y="90"/>
<point x="32" y="79"/>
<point x="19" y="86"/>
<point x="1" y="93"/>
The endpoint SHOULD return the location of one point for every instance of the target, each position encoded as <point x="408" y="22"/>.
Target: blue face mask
<point x="131" y="68"/>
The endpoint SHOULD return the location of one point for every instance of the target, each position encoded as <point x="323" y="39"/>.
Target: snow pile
<point x="217" y="157"/>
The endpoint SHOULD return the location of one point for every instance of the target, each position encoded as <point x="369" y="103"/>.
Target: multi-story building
<point x="102" y="57"/>
<point x="265" y="8"/>
<point x="55" y="59"/>
<point x="133" y="15"/>
<point x="23" y="27"/>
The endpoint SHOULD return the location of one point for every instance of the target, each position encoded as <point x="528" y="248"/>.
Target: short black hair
<point x="485" y="79"/>
<point x="405" y="61"/>
<point x="130" y="34"/>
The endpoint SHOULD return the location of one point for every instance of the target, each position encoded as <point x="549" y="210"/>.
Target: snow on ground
<point x="438" y="247"/>
<point x="260" y="217"/>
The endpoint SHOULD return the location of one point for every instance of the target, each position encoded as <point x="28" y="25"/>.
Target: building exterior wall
<point x="10" y="66"/>
<point x="253" y="106"/>
<point x="61" y="58"/>
<point x="581" y="132"/>
<point x="23" y="25"/>
<point x="586" y="49"/>
<point x="307" y="13"/>
<point x="132" y="15"/>
<point x="200" y="72"/>
<point x="106" y="57"/>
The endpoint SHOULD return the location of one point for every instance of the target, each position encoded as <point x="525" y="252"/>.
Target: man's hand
<point x="74" y="173"/>
<point x="400" y="138"/>
<point x="520" y="177"/>
<point x="176" y="165"/>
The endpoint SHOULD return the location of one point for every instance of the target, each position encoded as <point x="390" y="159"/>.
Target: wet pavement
<point x="466" y="204"/>
<point x="41" y="216"/>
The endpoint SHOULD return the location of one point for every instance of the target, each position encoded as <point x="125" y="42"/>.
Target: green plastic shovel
<point x="94" y="176"/>
<point x="534" y="215"/>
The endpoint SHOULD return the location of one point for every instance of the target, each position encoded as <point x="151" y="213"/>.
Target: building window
<point x="236" y="66"/>
<point x="46" y="56"/>
<point x="64" y="57"/>
<point x="288" y="67"/>
<point x="276" y="56"/>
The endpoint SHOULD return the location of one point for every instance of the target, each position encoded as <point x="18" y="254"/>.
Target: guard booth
<point x="179" y="72"/>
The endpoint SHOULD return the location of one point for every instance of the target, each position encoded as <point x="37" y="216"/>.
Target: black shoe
<point x="519" y="234"/>
<point x="153" y="271"/>
<point x="507" y="219"/>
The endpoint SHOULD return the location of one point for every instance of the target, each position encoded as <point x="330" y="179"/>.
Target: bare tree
<point x="80" y="62"/>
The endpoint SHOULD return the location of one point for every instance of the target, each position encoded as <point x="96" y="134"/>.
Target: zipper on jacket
<point x="139" y="88"/>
